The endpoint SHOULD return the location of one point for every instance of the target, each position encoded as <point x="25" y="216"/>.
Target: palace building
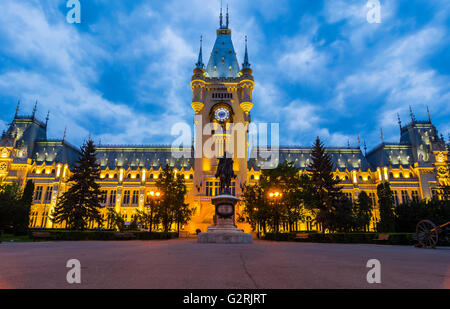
<point x="415" y="166"/>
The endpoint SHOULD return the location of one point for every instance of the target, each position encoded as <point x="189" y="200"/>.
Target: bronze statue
<point x="225" y="173"/>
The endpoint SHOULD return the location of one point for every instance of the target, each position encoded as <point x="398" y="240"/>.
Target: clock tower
<point x="222" y="100"/>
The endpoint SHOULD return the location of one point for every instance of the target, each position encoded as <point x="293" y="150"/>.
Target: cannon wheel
<point x="427" y="234"/>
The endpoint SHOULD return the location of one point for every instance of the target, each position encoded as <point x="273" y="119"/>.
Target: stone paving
<point x="187" y="264"/>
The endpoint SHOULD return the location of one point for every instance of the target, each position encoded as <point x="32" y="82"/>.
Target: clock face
<point x="222" y="114"/>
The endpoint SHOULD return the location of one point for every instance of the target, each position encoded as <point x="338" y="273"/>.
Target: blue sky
<point x="123" y="74"/>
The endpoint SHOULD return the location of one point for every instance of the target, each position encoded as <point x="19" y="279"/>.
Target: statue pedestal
<point x="224" y="231"/>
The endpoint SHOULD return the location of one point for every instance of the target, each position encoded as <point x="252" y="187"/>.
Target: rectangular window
<point x="38" y="194"/>
<point x="415" y="196"/>
<point x="395" y="198"/>
<point x="48" y="195"/>
<point x="135" y="199"/>
<point x="208" y="188"/>
<point x="126" y="198"/>
<point x="405" y="197"/>
<point x="112" y="198"/>
<point x="103" y="197"/>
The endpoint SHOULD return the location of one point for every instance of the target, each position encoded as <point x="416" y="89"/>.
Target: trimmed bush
<point x="64" y="235"/>
<point x="345" y="238"/>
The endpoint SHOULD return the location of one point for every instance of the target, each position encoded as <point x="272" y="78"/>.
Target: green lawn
<point x="12" y="238"/>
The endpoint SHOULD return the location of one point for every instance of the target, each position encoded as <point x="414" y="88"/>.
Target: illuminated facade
<point x="222" y="94"/>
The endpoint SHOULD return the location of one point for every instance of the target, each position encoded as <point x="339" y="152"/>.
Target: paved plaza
<point x="187" y="264"/>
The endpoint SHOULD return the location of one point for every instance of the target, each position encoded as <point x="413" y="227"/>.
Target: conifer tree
<point x="387" y="218"/>
<point x="363" y="211"/>
<point x="22" y="210"/>
<point x="80" y="204"/>
<point x="326" y="190"/>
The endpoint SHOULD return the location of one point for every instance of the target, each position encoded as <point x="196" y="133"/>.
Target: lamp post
<point x="153" y="199"/>
<point x="275" y="197"/>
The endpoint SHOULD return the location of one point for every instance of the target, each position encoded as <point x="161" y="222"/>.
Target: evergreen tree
<point x="80" y="204"/>
<point x="325" y="186"/>
<point x="21" y="218"/>
<point x="387" y="218"/>
<point x="9" y="199"/>
<point x="364" y="209"/>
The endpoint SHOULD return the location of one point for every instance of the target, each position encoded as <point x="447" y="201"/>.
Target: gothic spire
<point x="382" y="136"/>
<point x="199" y="63"/>
<point x="64" y="135"/>
<point x="34" y="109"/>
<point x="47" y="118"/>
<point x="246" y="63"/>
<point x="413" y="119"/>
<point x="399" y="122"/>
<point x="17" y="109"/>
<point x="428" y="114"/>
<point x="365" y="148"/>
<point x="221" y="15"/>
<point x="228" y="18"/>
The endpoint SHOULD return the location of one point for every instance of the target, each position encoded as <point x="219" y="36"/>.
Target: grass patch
<point x="14" y="238"/>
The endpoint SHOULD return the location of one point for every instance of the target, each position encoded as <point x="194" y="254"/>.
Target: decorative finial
<point x="382" y="136"/>
<point x="199" y="63"/>
<point x="246" y="63"/>
<point x="399" y="122"/>
<point x="413" y="119"/>
<point x="365" y="148"/>
<point x="221" y="16"/>
<point x="35" y="109"/>
<point x="428" y="114"/>
<point x="228" y="18"/>
<point x="17" y="109"/>
<point x="64" y="134"/>
<point x="358" y="141"/>
<point x="348" y="144"/>
<point x="47" y="118"/>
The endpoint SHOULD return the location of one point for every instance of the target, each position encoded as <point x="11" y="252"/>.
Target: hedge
<point x="64" y="235"/>
<point x="347" y="238"/>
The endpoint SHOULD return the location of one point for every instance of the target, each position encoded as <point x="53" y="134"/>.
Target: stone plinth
<point x="225" y="230"/>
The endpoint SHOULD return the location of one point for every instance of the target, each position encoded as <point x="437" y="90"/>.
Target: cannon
<point x="428" y="234"/>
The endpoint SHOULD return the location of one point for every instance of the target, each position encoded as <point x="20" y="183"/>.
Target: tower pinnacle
<point x="221" y="16"/>
<point x="17" y="109"/>
<point x="34" y="109"/>
<point x="246" y="63"/>
<point x="413" y="119"/>
<point x="47" y="118"/>
<point x="199" y="63"/>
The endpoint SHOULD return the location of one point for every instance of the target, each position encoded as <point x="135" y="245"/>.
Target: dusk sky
<point x="320" y="67"/>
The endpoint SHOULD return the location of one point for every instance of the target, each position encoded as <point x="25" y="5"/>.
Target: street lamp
<point x="153" y="198"/>
<point x="275" y="197"/>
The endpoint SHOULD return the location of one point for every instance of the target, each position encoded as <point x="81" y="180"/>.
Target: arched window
<point x="252" y="177"/>
<point x="138" y="176"/>
<point x="129" y="176"/>
<point x="191" y="176"/>
<point x="107" y="176"/>
<point x="115" y="175"/>
<point x="401" y="175"/>
<point x="151" y="176"/>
